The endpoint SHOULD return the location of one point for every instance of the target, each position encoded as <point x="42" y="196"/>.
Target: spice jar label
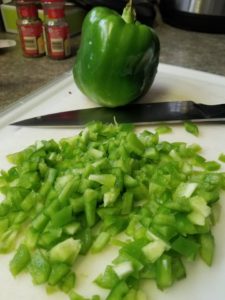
<point x="32" y="39"/>
<point x="58" y="41"/>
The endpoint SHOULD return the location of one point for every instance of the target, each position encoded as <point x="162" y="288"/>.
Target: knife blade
<point x="138" y="114"/>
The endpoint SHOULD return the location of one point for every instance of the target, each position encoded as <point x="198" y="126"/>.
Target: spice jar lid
<point x="56" y="13"/>
<point x="27" y="11"/>
<point x="52" y="1"/>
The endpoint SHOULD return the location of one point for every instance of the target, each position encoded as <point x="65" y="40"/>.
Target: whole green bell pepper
<point x="118" y="57"/>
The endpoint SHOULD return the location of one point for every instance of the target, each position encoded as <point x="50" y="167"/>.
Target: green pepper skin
<point x="117" y="60"/>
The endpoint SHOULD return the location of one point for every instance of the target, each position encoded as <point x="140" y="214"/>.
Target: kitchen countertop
<point x="20" y="76"/>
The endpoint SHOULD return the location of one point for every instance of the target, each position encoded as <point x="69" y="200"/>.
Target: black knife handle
<point x="211" y="111"/>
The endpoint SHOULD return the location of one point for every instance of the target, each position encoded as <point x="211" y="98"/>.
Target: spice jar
<point x="56" y="28"/>
<point x="30" y="28"/>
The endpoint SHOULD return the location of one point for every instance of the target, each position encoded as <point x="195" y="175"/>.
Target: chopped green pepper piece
<point x="163" y="129"/>
<point x="212" y="165"/>
<point x="4" y="225"/>
<point x="48" y="183"/>
<point x="8" y="240"/>
<point x="107" y="280"/>
<point x="53" y="207"/>
<point x="123" y="269"/>
<point x="207" y="245"/>
<point x="58" y="271"/>
<point x="154" y="250"/>
<point x="191" y="127"/>
<point x="65" y="252"/>
<point x="118" y="291"/>
<point x="67" y="283"/>
<point x="67" y="190"/>
<point x="127" y="203"/>
<point x="186" y="247"/>
<point x="62" y="217"/>
<point x="183" y="225"/>
<point x="178" y="269"/>
<point x="31" y="238"/>
<point x="30" y="201"/>
<point x="4" y="209"/>
<point x="90" y="202"/>
<point x="104" y="179"/>
<point x="39" y="267"/>
<point x="74" y="296"/>
<point x="134" y="144"/>
<point x="222" y="157"/>
<point x="100" y="242"/>
<point x="86" y="239"/>
<point x="95" y="297"/>
<point x="20" y="260"/>
<point x="49" y="237"/>
<point x="71" y="228"/>
<point x="164" y="275"/>
<point x="40" y="222"/>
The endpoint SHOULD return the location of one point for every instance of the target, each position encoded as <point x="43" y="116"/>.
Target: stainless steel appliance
<point x="198" y="15"/>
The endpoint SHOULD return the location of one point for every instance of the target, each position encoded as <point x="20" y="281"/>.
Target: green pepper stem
<point x="129" y="14"/>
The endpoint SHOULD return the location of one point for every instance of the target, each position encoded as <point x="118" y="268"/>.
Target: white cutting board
<point x="171" y="83"/>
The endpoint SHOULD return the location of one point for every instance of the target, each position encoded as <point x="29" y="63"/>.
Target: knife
<point x="138" y="114"/>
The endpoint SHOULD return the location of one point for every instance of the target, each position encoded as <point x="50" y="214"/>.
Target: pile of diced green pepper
<point x="64" y="199"/>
